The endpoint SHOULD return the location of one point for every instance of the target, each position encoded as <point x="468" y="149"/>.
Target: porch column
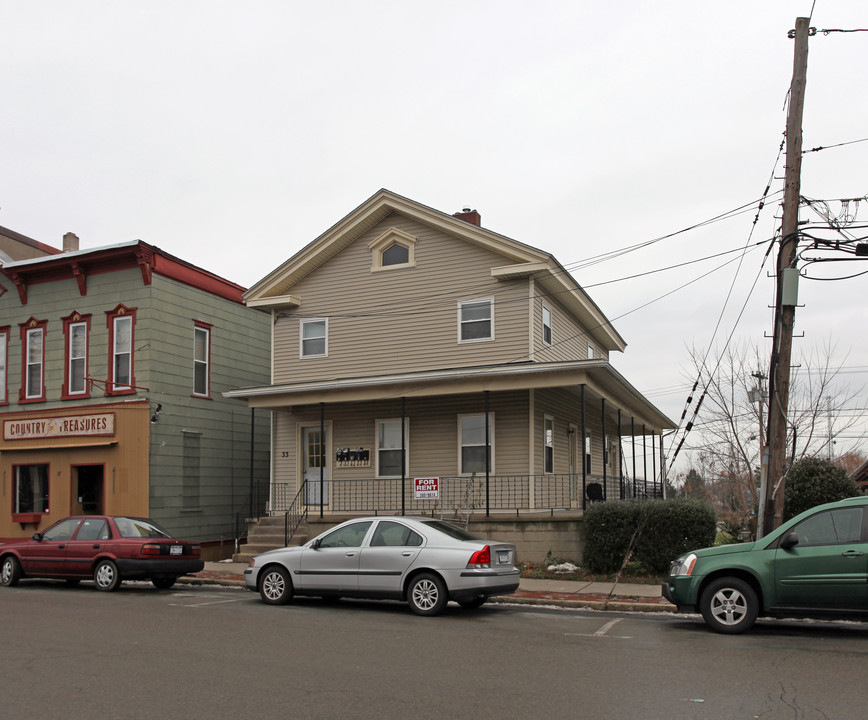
<point x="487" y="454"/>
<point x="605" y="451"/>
<point x="633" y="441"/>
<point x="644" y="462"/>
<point x="322" y="456"/>
<point x="620" y="460"/>
<point x="403" y="454"/>
<point x="662" y="470"/>
<point x="584" y="454"/>
<point x="653" y="462"/>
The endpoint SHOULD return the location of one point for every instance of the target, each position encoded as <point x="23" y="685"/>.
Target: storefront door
<point x="87" y="490"/>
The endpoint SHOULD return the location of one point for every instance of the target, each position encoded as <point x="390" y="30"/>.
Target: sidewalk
<point x="560" y="593"/>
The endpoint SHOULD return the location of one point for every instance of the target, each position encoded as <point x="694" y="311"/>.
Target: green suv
<point x="813" y="565"/>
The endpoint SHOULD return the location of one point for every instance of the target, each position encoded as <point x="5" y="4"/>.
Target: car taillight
<point x="150" y="549"/>
<point x="481" y="558"/>
<point x="195" y="549"/>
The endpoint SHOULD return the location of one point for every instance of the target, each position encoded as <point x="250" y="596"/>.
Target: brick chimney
<point x="468" y="215"/>
<point x="70" y="242"/>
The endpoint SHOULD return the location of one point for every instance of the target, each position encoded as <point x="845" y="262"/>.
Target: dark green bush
<point x="811" y="482"/>
<point x="666" y="529"/>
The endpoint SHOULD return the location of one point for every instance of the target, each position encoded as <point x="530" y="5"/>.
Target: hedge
<point x="659" y="531"/>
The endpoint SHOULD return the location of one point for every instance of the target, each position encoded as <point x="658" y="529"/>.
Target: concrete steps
<point x="267" y="533"/>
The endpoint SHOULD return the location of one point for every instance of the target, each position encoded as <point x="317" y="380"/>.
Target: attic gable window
<point x="393" y="249"/>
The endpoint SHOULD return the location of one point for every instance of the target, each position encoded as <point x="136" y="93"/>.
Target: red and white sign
<point x="57" y="427"/>
<point x="427" y="487"/>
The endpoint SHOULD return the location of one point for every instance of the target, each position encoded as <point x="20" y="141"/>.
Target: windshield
<point x="451" y="530"/>
<point x="136" y="527"/>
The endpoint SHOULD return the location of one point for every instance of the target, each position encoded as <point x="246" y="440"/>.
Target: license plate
<point x="503" y="556"/>
<point x="176" y="550"/>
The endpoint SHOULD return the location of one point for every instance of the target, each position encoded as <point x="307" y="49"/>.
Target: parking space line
<point x="204" y="604"/>
<point x="603" y="631"/>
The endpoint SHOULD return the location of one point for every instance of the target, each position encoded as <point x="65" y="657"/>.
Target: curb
<point x="520" y="597"/>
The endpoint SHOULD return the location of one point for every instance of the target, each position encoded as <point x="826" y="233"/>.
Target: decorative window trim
<point x="301" y="338"/>
<point x="392" y="236"/>
<point x="548" y="444"/>
<point x="120" y="312"/>
<point x="4" y="365"/>
<point x="547" y="332"/>
<point x="377" y="426"/>
<point x="461" y="445"/>
<point x="202" y="327"/>
<point x="28" y="330"/>
<point x="462" y="322"/>
<point x="591" y="352"/>
<point x="72" y="320"/>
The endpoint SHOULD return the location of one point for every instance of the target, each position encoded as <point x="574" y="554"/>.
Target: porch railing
<point x="458" y="496"/>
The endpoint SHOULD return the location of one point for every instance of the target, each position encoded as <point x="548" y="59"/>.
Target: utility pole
<point x="786" y="295"/>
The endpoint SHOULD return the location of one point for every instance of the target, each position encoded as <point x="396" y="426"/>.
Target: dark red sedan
<point x="103" y="548"/>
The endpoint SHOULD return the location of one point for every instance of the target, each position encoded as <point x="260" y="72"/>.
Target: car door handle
<point x="60" y="547"/>
<point x="852" y="553"/>
<point x="350" y="554"/>
<point x="407" y="554"/>
<point x="95" y="547"/>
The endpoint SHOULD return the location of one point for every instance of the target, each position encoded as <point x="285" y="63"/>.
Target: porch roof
<point x="600" y="379"/>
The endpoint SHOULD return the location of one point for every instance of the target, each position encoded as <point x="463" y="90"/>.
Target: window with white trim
<point x="389" y="448"/>
<point x="314" y="338"/>
<point x="547" y="325"/>
<point x="122" y="353"/>
<point x="549" y="444"/>
<point x="34" y="354"/>
<point x="77" y="367"/>
<point x="591" y="353"/>
<point x="201" y="360"/>
<point x="476" y="320"/>
<point x="4" y="351"/>
<point x="395" y="254"/>
<point x="588" y="452"/>
<point x="471" y="443"/>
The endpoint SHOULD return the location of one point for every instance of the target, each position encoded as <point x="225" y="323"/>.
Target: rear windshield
<point x="136" y="527"/>
<point x="449" y="529"/>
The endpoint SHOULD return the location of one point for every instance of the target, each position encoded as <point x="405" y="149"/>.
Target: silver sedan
<point x="423" y="561"/>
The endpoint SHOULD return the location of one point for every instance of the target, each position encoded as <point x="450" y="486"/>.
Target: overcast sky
<point x="231" y="134"/>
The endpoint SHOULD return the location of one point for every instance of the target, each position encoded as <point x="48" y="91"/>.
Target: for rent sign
<point x="427" y="487"/>
<point x="56" y="427"/>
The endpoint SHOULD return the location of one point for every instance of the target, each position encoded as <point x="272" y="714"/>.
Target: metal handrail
<point x="295" y="515"/>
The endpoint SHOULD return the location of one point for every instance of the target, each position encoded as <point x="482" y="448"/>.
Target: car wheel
<point x="106" y="576"/>
<point x="163" y="583"/>
<point x="275" y="587"/>
<point x="10" y="571"/>
<point x="474" y="602"/>
<point x="729" y="605"/>
<point x="427" y="594"/>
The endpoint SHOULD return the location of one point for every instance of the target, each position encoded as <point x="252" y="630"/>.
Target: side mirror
<point x="316" y="543"/>
<point x="789" y="540"/>
<point x="37" y="537"/>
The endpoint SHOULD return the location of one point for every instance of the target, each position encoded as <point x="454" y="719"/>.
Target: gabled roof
<point x="520" y="260"/>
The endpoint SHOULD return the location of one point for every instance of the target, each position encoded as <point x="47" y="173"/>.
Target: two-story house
<point x="421" y="361"/>
<point x="113" y="364"/>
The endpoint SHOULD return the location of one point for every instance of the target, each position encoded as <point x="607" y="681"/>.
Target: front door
<point x="315" y="465"/>
<point x="87" y="487"/>
<point x="575" y="474"/>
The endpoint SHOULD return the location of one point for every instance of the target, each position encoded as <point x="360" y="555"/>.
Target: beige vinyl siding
<point x="569" y="339"/>
<point x="565" y="408"/>
<point x="432" y="442"/>
<point x="401" y="319"/>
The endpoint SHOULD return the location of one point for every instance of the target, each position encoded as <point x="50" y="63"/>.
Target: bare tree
<point x="727" y="438"/>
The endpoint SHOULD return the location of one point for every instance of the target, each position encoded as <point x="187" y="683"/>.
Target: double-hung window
<point x="389" y="444"/>
<point x="549" y="444"/>
<point x="476" y="320"/>
<point x="76" y="332"/>
<point x="121" y="322"/>
<point x="4" y="351"/>
<point x="473" y="451"/>
<point x="201" y="359"/>
<point x="314" y="338"/>
<point x="33" y="342"/>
